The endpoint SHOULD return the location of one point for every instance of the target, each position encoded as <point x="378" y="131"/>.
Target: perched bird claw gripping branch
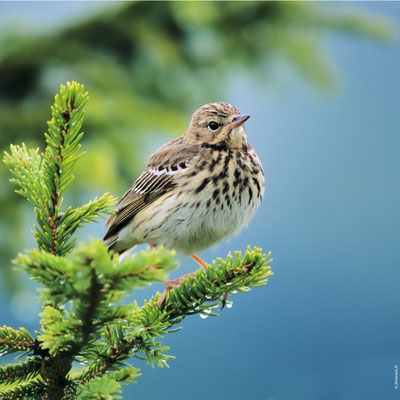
<point x="195" y="190"/>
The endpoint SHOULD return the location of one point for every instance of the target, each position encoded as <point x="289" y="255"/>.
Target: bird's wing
<point x="156" y="180"/>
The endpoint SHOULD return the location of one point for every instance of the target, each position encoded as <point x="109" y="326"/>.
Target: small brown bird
<point x="195" y="190"/>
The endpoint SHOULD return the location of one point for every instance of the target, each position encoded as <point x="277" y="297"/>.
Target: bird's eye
<point x="213" y="125"/>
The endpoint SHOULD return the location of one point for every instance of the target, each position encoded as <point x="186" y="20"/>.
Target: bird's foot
<point x="169" y="285"/>
<point x="176" y="282"/>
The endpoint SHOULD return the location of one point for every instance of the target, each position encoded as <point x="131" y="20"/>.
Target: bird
<point x="195" y="190"/>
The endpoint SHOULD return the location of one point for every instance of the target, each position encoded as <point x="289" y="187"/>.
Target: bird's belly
<point x="191" y="226"/>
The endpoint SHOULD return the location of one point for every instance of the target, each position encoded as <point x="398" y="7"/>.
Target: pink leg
<point x="169" y="285"/>
<point x="199" y="261"/>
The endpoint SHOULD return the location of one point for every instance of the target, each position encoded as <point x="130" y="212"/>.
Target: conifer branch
<point x="32" y="390"/>
<point x="24" y="371"/>
<point x="199" y="293"/>
<point x="92" y="281"/>
<point x="72" y="219"/>
<point x="12" y="340"/>
<point x="108" y="385"/>
<point x="212" y="285"/>
<point x="44" y="179"/>
<point x="62" y="151"/>
<point x="25" y="165"/>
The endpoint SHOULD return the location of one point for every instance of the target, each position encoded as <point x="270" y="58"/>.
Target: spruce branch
<point x="60" y="156"/>
<point x="199" y="293"/>
<point x="12" y="340"/>
<point x="26" y="166"/>
<point x="92" y="281"/>
<point x="195" y="293"/>
<point x="63" y="137"/>
<point x="107" y="386"/>
<point x="24" y="371"/>
<point x="72" y="219"/>
<point x="43" y="179"/>
<point x="33" y="390"/>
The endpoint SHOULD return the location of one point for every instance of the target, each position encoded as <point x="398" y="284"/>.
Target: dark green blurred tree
<point x="147" y="65"/>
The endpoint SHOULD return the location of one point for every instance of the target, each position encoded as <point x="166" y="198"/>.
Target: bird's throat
<point x="236" y="138"/>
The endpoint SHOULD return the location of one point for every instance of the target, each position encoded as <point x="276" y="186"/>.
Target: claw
<point x="169" y="285"/>
<point x="223" y="301"/>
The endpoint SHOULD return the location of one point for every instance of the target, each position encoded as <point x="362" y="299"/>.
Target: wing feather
<point x="148" y="188"/>
<point x="158" y="179"/>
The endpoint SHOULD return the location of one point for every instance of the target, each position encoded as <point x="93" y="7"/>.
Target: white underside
<point x="189" y="229"/>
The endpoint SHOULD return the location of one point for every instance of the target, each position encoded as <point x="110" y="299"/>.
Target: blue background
<point x="327" y="324"/>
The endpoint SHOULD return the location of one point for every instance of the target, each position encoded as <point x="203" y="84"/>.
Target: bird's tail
<point x="115" y="246"/>
<point x="111" y="243"/>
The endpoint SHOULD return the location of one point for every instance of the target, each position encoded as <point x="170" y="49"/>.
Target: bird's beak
<point x="239" y="120"/>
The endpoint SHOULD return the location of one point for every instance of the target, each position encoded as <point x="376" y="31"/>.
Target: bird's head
<point x="218" y="123"/>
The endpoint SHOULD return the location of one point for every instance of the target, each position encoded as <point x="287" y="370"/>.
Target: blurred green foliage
<point x="147" y="65"/>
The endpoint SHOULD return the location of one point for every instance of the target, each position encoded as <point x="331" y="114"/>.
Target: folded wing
<point x="158" y="179"/>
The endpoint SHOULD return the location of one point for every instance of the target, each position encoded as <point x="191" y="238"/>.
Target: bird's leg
<point x="199" y="261"/>
<point x="169" y="285"/>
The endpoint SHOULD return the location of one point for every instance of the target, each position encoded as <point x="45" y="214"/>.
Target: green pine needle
<point x="32" y="390"/>
<point x="12" y="340"/>
<point x="24" y="371"/>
